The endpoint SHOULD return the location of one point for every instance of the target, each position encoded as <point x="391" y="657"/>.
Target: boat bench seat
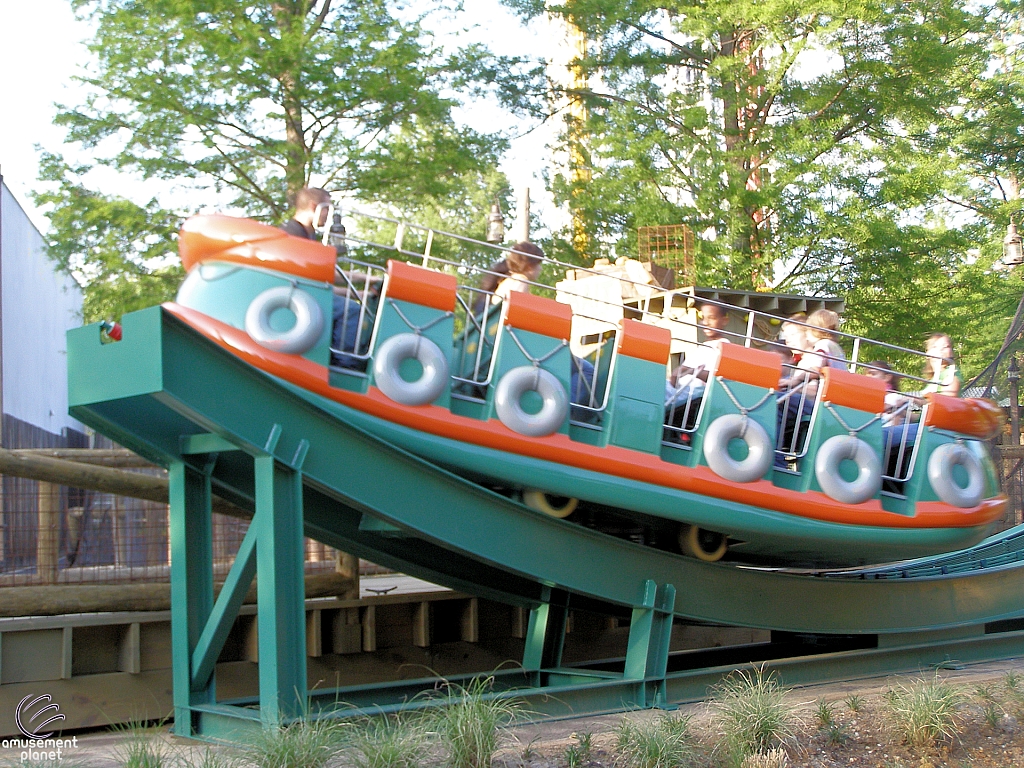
<point x="743" y="381"/>
<point x="416" y="301"/>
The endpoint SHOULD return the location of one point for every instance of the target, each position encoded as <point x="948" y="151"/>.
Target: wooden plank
<point x="314" y="635"/>
<point x="346" y="631"/>
<point x="369" y="628"/>
<point x="421" y="625"/>
<point x="129" y="658"/>
<point x="65" y="656"/>
<point x="471" y="621"/>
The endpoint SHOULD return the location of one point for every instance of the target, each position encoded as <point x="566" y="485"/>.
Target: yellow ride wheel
<point x="556" y="506"/>
<point x="701" y="543"/>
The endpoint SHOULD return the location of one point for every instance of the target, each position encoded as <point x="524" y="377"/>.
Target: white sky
<point x="41" y="49"/>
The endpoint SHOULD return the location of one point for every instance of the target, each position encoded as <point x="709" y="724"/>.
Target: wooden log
<point x="96" y="478"/>
<point x="109" y="457"/>
<point x="100" y="598"/>
<point x="48" y="533"/>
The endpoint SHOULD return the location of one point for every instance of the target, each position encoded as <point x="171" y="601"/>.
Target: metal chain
<point x="852" y="430"/>
<point x="418" y="329"/>
<point x="744" y="410"/>
<point x="535" y="360"/>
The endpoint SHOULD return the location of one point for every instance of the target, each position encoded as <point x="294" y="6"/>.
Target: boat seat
<point x="532" y="329"/>
<point x="414" y="302"/>
<point x="743" y="378"/>
<point x="947" y="420"/>
<point x="636" y="389"/>
<point x="845" y="401"/>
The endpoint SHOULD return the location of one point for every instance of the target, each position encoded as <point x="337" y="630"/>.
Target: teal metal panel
<point x="124" y="372"/>
<point x="636" y="396"/>
<point x="637" y="424"/>
<point x="224" y="291"/>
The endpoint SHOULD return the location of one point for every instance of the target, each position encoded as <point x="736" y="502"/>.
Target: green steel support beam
<point x="205" y="443"/>
<point x="191" y="584"/>
<point x="280" y="590"/>
<point x="545" y="634"/>
<point x="225" y="611"/>
<point x="650" y="633"/>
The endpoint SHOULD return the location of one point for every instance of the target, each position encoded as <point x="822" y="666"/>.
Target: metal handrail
<point x="428" y="258"/>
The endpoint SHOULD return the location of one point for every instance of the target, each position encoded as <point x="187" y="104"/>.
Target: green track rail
<point x="174" y="397"/>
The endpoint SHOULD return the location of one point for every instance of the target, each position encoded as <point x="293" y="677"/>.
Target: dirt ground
<point x="991" y="731"/>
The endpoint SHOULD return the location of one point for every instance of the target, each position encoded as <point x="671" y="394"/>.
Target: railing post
<point x="1013" y="378"/>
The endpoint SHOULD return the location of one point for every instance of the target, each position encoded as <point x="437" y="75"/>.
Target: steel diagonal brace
<point x="225" y="610"/>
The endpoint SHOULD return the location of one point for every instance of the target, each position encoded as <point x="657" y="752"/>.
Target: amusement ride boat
<point x="560" y="403"/>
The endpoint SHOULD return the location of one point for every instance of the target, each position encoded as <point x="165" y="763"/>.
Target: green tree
<point x="252" y="102"/>
<point x="815" y="147"/>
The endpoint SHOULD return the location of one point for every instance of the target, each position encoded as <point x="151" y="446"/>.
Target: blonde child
<point x="940" y="368"/>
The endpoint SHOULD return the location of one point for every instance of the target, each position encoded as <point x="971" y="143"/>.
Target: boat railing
<point x="797" y="410"/>
<point x="428" y="255"/>
<point x="359" y="283"/>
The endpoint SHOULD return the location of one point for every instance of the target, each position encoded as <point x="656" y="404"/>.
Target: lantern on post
<point x="1013" y="251"/>
<point x="495" y="225"/>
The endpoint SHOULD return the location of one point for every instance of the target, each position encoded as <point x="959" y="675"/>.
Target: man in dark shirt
<point x="350" y="313"/>
<point x="306" y="202"/>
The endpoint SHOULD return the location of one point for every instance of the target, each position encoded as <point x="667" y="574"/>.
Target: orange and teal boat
<point x="491" y="395"/>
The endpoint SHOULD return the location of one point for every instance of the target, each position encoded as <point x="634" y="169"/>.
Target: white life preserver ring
<point x="940" y="474"/>
<point x="834" y="452"/>
<point x="301" y="337"/>
<point x="541" y="502"/>
<point x="515" y="384"/>
<point x="760" y="451"/>
<point x="387" y="365"/>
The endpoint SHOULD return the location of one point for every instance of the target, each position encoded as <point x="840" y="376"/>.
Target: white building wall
<point x="39" y="305"/>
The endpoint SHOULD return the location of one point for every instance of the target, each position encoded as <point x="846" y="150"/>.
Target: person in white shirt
<point x="685" y="386"/>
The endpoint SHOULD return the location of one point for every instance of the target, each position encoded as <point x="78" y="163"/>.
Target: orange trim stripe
<point x="643" y="341"/>
<point x="538" y="315"/>
<point x="558" y="448"/>
<point x="853" y="390"/>
<point x="756" y="367"/>
<point x="422" y="286"/>
<point x="978" y="418"/>
<point x="246" y="242"/>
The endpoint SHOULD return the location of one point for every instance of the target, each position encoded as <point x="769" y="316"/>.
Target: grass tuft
<point x="140" y="747"/>
<point x="471" y="721"/>
<point x="580" y="753"/>
<point x="753" y="715"/>
<point x="1011" y="680"/>
<point x="302" y="744"/>
<point x="824" y="713"/>
<point x="926" y="710"/>
<point x="854" y="702"/>
<point x="388" y="741"/>
<point x="662" y="742"/>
